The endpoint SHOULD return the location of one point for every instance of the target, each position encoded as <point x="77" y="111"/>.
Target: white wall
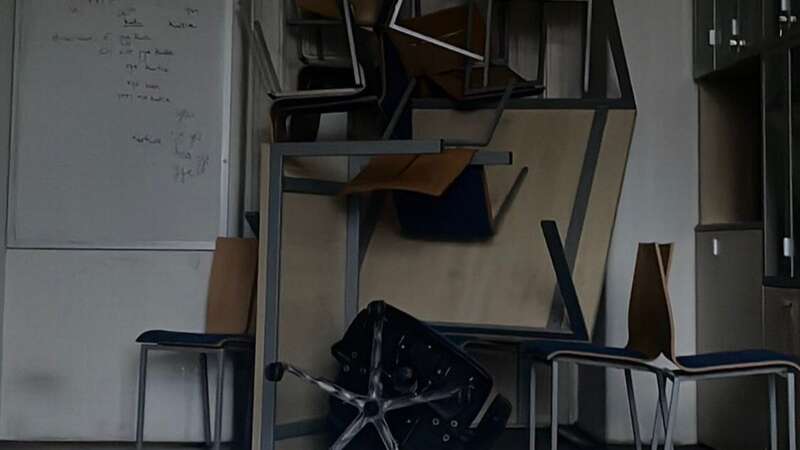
<point x="70" y="364"/>
<point x="659" y="199"/>
<point x="69" y="318"/>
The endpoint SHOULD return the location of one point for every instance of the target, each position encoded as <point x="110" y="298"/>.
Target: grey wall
<point x="660" y="194"/>
<point x="6" y="58"/>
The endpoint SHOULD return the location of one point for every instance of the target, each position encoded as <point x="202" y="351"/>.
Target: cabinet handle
<point x="715" y="247"/>
<point x="788" y="247"/>
<point x="736" y="42"/>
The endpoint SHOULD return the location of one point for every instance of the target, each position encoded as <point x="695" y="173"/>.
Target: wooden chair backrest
<point x="650" y="326"/>
<point x="231" y="286"/>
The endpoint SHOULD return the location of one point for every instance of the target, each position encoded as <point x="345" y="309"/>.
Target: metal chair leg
<point x="790" y="393"/>
<point x="554" y="407"/>
<point x="632" y="407"/>
<point x="654" y="437"/>
<point x="218" y="405"/>
<point x="673" y="414"/>
<point x="142" y="396"/>
<point x="662" y="411"/>
<point x="204" y="399"/>
<point x="532" y="410"/>
<point x="773" y="414"/>
<point x="662" y="399"/>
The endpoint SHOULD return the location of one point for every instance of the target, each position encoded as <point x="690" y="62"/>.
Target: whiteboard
<point x="121" y="123"/>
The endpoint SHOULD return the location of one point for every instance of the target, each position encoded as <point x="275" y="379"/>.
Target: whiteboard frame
<point x="12" y="242"/>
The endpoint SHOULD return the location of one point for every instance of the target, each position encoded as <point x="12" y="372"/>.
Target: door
<point x="778" y="246"/>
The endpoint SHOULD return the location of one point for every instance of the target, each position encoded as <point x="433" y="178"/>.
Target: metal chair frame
<point x="219" y="353"/>
<point x="679" y="377"/>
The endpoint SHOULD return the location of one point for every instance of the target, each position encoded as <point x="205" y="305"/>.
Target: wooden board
<point x="312" y="291"/>
<point x="312" y="305"/>
<point x="590" y="263"/>
<point x="507" y="281"/>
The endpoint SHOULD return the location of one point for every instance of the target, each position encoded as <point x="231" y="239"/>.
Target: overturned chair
<point x="403" y="385"/>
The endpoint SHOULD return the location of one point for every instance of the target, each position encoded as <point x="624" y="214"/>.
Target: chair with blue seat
<point x="637" y="355"/>
<point x="229" y="324"/>
<point x="729" y="364"/>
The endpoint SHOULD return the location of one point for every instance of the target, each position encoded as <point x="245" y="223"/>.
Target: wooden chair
<point x="644" y="345"/>
<point x="655" y="331"/>
<point x="229" y="325"/>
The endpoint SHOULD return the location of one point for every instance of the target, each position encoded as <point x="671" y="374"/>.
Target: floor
<point x="518" y="440"/>
<point x="510" y="441"/>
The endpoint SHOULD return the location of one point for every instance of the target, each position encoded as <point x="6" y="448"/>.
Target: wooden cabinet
<point x="729" y="317"/>
<point x="780" y="17"/>
<point x="704" y="37"/>
<point x="781" y="69"/>
<point x="778" y="166"/>
<point x="725" y="32"/>
<point x="782" y="334"/>
<point x="782" y="319"/>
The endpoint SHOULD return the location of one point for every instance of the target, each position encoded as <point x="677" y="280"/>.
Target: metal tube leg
<point x="554" y="408"/>
<point x="773" y="415"/>
<point x="661" y="411"/>
<point x="654" y="437"/>
<point x="632" y="407"/>
<point x="218" y="405"/>
<point x="673" y="414"/>
<point x="790" y="400"/>
<point x="140" y="405"/>
<point x="532" y="410"/>
<point x="204" y="398"/>
<point x="662" y="400"/>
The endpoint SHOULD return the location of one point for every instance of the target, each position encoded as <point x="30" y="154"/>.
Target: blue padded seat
<point x="743" y="359"/>
<point x="547" y="350"/>
<point x="181" y="339"/>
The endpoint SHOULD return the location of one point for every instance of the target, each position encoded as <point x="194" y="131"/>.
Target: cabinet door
<point x="794" y="130"/>
<point x="782" y="334"/>
<point x="779" y="17"/>
<point x="750" y="26"/>
<point x="729" y="318"/>
<point x="704" y="37"/>
<point x="777" y="198"/>
<point x="782" y="320"/>
<point x="726" y="18"/>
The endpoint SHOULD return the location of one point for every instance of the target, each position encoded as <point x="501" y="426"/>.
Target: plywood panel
<point x="590" y="262"/>
<point x="507" y="281"/>
<point x="312" y="299"/>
